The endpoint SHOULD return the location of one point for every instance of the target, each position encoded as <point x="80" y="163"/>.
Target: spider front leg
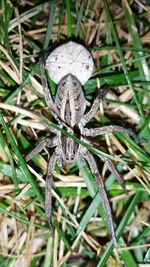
<point x="47" y="142"/>
<point x="106" y="130"/>
<point x="92" y="164"/>
<point x="48" y="188"/>
<point x="90" y="114"/>
<point x="46" y="91"/>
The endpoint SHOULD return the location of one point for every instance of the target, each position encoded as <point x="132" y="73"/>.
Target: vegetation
<point x="118" y="35"/>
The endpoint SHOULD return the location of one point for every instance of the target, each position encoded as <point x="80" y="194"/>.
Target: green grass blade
<point x="96" y="199"/>
<point x="50" y="25"/>
<point x="21" y="161"/>
<point x="120" y="229"/>
<point x="20" y="219"/>
<point x="9" y="156"/>
<point x="60" y="17"/>
<point x="138" y="52"/>
<point x="69" y="18"/>
<point x="90" y="147"/>
<point x="109" y="78"/>
<point x="127" y="256"/>
<point x="79" y="18"/>
<point x="129" y="81"/>
<point x="89" y="213"/>
<point x="49" y="253"/>
<point x="5" y="17"/>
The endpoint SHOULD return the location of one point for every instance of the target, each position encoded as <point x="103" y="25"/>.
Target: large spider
<point x="71" y="65"/>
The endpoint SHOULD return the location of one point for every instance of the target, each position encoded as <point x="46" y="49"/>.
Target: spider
<point x="69" y="110"/>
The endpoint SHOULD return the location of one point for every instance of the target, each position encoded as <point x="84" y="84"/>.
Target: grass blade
<point x="69" y="18"/>
<point x="50" y="25"/>
<point x="129" y="81"/>
<point x="21" y="161"/>
<point x="120" y="229"/>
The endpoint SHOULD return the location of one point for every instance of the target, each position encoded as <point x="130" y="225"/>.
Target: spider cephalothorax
<point x="70" y="65"/>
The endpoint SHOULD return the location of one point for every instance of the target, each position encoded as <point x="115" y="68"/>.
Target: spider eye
<point x="63" y="83"/>
<point x="74" y="84"/>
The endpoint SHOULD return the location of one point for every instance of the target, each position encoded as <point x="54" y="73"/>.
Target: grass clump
<point x="117" y="34"/>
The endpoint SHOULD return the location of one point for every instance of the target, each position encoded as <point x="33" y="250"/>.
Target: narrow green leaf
<point x="119" y="231"/>
<point x="129" y="81"/>
<point x="50" y="25"/>
<point x="92" y="187"/>
<point x="79" y="18"/>
<point x="49" y="253"/>
<point x="127" y="256"/>
<point x="21" y="160"/>
<point x="9" y="156"/>
<point x="69" y="18"/>
<point x="20" y="219"/>
<point x="138" y="52"/>
<point x="89" y="213"/>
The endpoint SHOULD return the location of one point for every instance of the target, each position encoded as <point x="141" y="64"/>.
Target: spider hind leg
<point x="92" y="164"/>
<point x="116" y="175"/>
<point x="48" y="188"/>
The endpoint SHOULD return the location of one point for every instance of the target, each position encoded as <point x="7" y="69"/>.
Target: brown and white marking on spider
<point x="70" y="66"/>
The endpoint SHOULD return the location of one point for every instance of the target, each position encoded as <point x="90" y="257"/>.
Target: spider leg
<point x="47" y="95"/>
<point x="90" y="114"/>
<point x="115" y="173"/>
<point x="48" y="189"/>
<point x="106" y="130"/>
<point x="90" y="160"/>
<point x="47" y="142"/>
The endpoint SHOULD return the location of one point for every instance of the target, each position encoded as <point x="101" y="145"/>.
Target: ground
<point x="117" y="35"/>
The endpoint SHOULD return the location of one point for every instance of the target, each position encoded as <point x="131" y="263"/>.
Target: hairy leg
<point x="48" y="188"/>
<point x="46" y="91"/>
<point x="106" y="130"/>
<point x="90" y="114"/>
<point x="115" y="173"/>
<point x="91" y="162"/>
<point x="47" y="142"/>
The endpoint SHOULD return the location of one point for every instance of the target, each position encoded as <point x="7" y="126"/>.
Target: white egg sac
<point x="70" y="58"/>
